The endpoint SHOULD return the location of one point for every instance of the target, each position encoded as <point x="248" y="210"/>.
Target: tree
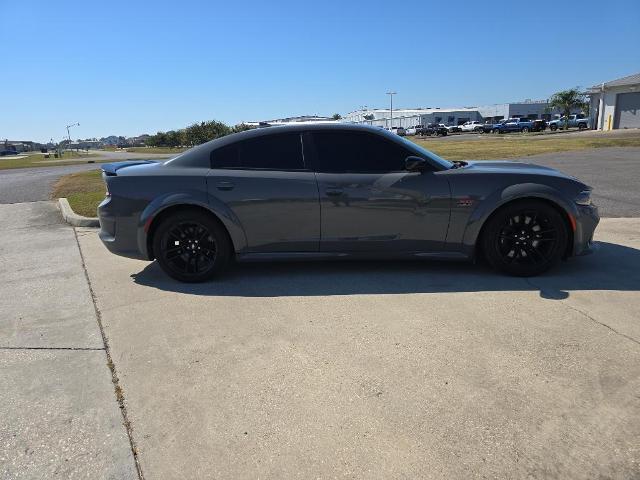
<point x="368" y="117"/>
<point x="241" y="127"/>
<point x="336" y="116"/>
<point x="568" y="100"/>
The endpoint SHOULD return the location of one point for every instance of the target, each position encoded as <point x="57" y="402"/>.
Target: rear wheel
<point x="582" y="126"/>
<point x="525" y="238"/>
<point x="553" y="127"/>
<point x="525" y="130"/>
<point x="191" y="246"/>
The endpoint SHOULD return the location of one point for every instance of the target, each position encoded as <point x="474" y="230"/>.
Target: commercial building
<point x="616" y="104"/>
<point x="533" y="109"/>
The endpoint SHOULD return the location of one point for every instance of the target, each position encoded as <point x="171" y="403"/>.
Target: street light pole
<point x="68" y="134"/>
<point x="391" y="94"/>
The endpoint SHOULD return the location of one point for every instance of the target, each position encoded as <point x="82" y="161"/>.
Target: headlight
<point x="584" y="198"/>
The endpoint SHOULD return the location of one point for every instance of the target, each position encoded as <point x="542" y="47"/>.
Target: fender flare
<point x="194" y="199"/>
<point x="501" y="197"/>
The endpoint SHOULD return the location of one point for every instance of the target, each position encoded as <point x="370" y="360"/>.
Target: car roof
<point x="196" y="156"/>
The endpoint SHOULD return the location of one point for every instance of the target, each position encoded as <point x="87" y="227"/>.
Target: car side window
<point x="342" y="152"/>
<point x="269" y="152"/>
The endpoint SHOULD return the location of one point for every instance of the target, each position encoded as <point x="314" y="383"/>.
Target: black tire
<point x="524" y="238"/>
<point x="582" y="126"/>
<point x="191" y="246"/>
<point x="553" y="128"/>
<point x="525" y="129"/>
<point x="495" y="130"/>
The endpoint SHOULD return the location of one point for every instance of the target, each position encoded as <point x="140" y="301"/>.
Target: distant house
<point x="616" y="104"/>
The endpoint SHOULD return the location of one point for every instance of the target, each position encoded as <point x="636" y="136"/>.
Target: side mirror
<point x="415" y="164"/>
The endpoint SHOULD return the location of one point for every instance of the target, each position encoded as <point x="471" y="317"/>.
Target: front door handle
<point x="225" y="186"/>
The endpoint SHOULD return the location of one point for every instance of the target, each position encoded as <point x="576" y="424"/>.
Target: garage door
<point x="627" y="110"/>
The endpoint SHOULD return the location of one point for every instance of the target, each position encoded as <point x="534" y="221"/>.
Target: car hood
<point x="506" y="166"/>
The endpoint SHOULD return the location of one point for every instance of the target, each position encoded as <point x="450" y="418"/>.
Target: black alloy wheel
<point x="191" y="246"/>
<point x="525" y="238"/>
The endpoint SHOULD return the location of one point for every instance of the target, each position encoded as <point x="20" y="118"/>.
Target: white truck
<point x="471" y="126"/>
<point x="580" y="120"/>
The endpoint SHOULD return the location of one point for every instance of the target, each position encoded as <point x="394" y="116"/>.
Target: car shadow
<point x="610" y="267"/>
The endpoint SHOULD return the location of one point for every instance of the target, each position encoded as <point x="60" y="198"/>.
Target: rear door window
<point x="269" y="152"/>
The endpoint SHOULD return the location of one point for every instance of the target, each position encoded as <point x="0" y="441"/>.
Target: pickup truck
<point x="578" y="120"/>
<point x="471" y="126"/>
<point x="523" y="125"/>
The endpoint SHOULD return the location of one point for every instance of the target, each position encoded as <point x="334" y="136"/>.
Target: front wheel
<point x="525" y="238"/>
<point x="525" y="130"/>
<point x="191" y="246"/>
<point x="553" y="128"/>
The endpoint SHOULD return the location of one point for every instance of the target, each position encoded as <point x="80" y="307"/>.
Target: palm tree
<point x="567" y="100"/>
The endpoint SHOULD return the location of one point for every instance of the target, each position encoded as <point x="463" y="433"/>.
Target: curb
<point x="72" y="218"/>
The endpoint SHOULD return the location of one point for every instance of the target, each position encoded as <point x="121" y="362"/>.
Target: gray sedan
<point x="335" y="191"/>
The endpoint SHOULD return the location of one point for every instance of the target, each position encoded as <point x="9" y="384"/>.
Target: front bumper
<point x="587" y="220"/>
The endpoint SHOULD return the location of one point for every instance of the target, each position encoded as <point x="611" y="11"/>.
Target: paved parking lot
<point x="322" y="370"/>
<point x="380" y="370"/>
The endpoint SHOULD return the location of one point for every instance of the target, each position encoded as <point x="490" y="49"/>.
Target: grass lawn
<point x="38" y="160"/>
<point x="84" y="190"/>
<point x="491" y="146"/>
<point x="156" y="149"/>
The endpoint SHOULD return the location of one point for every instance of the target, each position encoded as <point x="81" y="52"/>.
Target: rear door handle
<point x="225" y="186"/>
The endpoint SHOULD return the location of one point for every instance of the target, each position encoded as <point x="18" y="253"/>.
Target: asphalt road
<point x="614" y="173"/>
<point x="35" y="184"/>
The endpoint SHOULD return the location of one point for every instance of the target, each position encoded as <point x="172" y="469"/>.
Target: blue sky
<point x="131" y="67"/>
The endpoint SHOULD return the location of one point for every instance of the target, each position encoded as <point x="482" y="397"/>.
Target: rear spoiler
<point x="110" y="169"/>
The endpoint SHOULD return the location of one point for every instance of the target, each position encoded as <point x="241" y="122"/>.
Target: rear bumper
<point x="587" y="220"/>
<point x="119" y="234"/>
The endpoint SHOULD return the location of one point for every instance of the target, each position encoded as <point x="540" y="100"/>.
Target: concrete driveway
<point x="380" y="370"/>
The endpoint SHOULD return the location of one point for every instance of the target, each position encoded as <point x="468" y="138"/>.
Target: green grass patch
<point x="84" y="190"/>
<point x="157" y="149"/>
<point x="39" y="160"/>
<point x="491" y="146"/>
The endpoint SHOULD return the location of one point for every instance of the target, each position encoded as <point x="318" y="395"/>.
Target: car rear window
<point x="270" y="152"/>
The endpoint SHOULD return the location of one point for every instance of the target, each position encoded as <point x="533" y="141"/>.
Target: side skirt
<point x="304" y="256"/>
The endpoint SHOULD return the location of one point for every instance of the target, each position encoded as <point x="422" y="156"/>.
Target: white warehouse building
<point x="616" y="104"/>
<point x="451" y="116"/>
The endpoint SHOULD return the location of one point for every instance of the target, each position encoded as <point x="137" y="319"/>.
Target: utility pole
<point x="68" y="134"/>
<point x="391" y="94"/>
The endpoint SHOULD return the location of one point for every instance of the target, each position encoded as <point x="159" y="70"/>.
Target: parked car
<point x="412" y="130"/>
<point x="4" y="153"/>
<point x="578" y="120"/>
<point x="471" y="126"/>
<point x="487" y="127"/>
<point x="513" y="125"/>
<point x="451" y="128"/>
<point x="434" y="129"/>
<point x="539" y="126"/>
<point x="356" y="191"/>
<point x="399" y="131"/>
